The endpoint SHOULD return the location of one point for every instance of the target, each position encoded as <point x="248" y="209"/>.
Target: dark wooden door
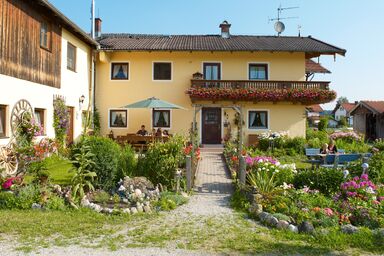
<point x="70" y="129"/>
<point x="211" y="125"/>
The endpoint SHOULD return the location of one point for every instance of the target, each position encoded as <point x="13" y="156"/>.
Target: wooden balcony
<point x="305" y="92"/>
<point x="258" y="84"/>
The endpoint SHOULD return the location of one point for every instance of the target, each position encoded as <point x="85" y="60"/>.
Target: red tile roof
<point x="314" y="67"/>
<point x="376" y="106"/>
<point x="142" y="42"/>
<point x="348" y="106"/>
<point x="315" y="108"/>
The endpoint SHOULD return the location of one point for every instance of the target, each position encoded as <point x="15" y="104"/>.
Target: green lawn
<point x="59" y="170"/>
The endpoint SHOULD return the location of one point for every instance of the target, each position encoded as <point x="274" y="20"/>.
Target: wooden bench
<point x="340" y="160"/>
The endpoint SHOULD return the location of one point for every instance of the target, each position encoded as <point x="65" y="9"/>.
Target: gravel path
<point x="211" y="200"/>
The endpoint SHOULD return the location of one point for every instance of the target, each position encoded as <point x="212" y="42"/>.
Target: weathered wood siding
<point x="20" y="53"/>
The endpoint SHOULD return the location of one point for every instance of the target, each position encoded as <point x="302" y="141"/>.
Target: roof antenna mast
<point x="279" y="26"/>
<point x="93" y="19"/>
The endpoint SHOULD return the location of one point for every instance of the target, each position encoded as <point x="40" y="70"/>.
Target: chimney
<point x="98" y="27"/>
<point x="225" y="29"/>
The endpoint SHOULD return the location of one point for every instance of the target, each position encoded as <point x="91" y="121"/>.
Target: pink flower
<point x="328" y="211"/>
<point x="8" y="183"/>
<point x="375" y="202"/>
<point x="364" y="176"/>
<point x="380" y="198"/>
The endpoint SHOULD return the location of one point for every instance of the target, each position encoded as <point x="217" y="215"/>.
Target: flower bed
<point x="319" y="200"/>
<point x="307" y="96"/>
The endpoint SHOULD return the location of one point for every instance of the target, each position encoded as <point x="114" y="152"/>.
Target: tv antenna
<point x="279" y="26"/>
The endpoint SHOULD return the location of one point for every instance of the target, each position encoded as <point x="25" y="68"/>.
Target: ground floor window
<point x="118" y="118"/>
<point x="3" y="126"/>
<point x="161" y="118"/>
<point x="258" y="119"/>
<point x="39" y="118"/>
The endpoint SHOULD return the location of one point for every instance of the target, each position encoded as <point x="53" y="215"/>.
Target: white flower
<point x="121" y="188"/>
<point x="259" y="169"/>
<point x="370" y="190"/>
<point x="276" y="171"/>
<point x="260" y="160"/>
<point x="263" y="168"/>
<point x="277" y="163"/>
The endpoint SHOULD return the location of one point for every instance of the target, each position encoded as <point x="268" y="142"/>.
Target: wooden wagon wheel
<point x="8" y="161"/>
<point x="19" y="111"/>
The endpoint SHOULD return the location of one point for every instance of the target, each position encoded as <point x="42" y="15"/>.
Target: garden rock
<point x="306" y="227"/>
<point x="147" y="209"/>
<point x="349" y="229"/>
<point x="293" y="228"/>
<point x="140" y="208"/>
<point x="126" y="210"/>
<point x="36" y="206"/>
<point x="141" y="183"/>
<point x="272" y="221"/>
<point x="134" y="210"/>
<point x="263" y="216"/>
<point x="84" y="202"/>
<point x="256" y="209"/>
<point x="282" y="224"/>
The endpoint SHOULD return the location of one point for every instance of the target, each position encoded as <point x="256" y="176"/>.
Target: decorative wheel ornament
<point x="8" y="162"/>
<point x="21" y="110"/>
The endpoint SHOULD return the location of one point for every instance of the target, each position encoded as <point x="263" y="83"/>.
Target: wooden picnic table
<point x="139" y="142"/>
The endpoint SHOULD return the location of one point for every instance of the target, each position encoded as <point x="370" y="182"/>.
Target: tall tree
<point x="341" y="100"/>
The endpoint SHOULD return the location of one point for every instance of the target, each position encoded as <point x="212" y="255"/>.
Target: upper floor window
<point x="258" y="72"/>
<point x="120" y="71"/>
<point x="258" y="119"/>
<point x="161" y="118"/>
<point x="45" y="35"/>
<point x="39" y="118"/>
<point x="2" y="120"/>
<point x="71" y="56"/>
<point x="162" y="71"/>
<point x="212" y="71"/>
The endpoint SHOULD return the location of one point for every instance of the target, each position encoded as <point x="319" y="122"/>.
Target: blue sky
<point x="350" y="24"/>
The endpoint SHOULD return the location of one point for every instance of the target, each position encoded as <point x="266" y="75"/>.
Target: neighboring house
<point x="313" y="114"/>
<point x="368" y="119"/>
<point x="212" y="77"/>
<point x="42" y="54"/>
<point x="344" y="110"/>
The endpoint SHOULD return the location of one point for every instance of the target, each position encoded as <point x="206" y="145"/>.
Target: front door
<point x="211" y="125"/>
<point x="69" y="138"/>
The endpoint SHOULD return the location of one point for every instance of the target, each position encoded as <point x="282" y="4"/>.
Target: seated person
<point x="142" y="131"/>
<point x="159" y="132"/>
<point x="153" y="133"/>
<point x="324" y="149"/>
<point x="332" y="149"/>
<point x="165" y="133"/>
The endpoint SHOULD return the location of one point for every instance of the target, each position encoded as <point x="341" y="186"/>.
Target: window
<point x="120" y="71"/>
<point x="161" y="118"/>
<point x="118" y="118"/>
<point x="39" y="118"/>
<point x="162" y="71"/>
<point x="257" y="119"/>
<point x="71" y="56"/>
<point x="2" y="120"/>
<point x="258" y="72"/>
<point x="45" y="35"/>
<point x="212" y="71"/>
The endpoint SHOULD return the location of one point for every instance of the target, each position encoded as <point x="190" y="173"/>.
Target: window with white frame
<point x="3" y="126"/>
<point x="71" y="57"/>
<point x="39" y="118"/>
<point x="120" y="71"/>
<point x="258" y="71"/>
<point x="162" y="71"/>
<point x="258" y="119"/>
<point x="161" y="118"/>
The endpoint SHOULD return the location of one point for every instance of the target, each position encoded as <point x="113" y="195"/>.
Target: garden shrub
<point x="161" y="161"/>
<point x="55" y="203"/>
<point x="128" y="161"/>
<point x="295" y="144"/>
<point x="7" y="200"/>
<point x="169" y="201"/>
<point x="323" y="124"/>
<point x="106" y="155"/>
<point x="27" y="195"/>
<point x="376" y="168"/>
<point x="326" y="180"/>
<point x="379" y="144"/>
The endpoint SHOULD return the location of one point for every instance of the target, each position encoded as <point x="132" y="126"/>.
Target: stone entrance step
<point x="209" y="148"/>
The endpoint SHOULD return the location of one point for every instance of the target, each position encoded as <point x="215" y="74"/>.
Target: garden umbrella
<point x="153" y="103"/>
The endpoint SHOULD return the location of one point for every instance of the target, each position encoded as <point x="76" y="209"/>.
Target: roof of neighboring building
<point x="67" y="23"/>
<point x="346" y="105"/>
<point x="315" y="108"/>
<point x="142" y="42"/>
<point x="314" y="67"/>
<point x="376" y="107"/>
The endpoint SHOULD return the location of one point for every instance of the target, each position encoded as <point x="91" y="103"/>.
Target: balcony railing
<point x="258" y="84"/>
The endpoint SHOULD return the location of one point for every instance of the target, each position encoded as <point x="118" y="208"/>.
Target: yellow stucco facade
<point x="113" y="94"/>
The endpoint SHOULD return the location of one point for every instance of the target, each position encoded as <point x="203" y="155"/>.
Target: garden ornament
<point x="345" y="173"/>
<point x="365" y="167"/>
